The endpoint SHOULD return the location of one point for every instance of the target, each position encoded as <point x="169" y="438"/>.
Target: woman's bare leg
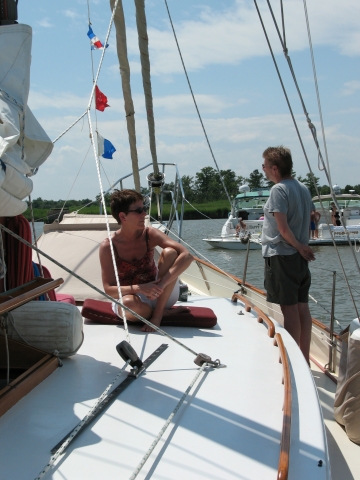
<point x="166" y="260"/>
<point x="134" y="303"/>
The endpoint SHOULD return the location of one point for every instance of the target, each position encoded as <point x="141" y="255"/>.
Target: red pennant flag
<point x="100" y="100"/>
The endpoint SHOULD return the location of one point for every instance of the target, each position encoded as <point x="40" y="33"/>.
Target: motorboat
<point x="247" y="206"/>
<point x="349" y="211"/>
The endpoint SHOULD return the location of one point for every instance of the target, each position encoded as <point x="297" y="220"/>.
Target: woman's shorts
<point x="174" y="297"/>
<point x="287" y="279"/>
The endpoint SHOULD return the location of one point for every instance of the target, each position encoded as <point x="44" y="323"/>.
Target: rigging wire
<point x="317" y="90"/>
<point x="97" y="161"/>
<point x="313" y="130"/>
<point x="104" y="294"/>
<point x="197" y="109"/>
<point x="167" y="423"/>
<point x="72" y="186"/>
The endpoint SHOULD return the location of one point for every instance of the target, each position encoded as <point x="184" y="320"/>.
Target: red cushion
<point x="101" y="312"/>
<point x="65" y="298"/>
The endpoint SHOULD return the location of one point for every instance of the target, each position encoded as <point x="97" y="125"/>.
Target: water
<point x="232" y="261"/>
<point x="322" y="269"/>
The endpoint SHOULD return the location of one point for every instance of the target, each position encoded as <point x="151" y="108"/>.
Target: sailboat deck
<point x="229" y="427"/>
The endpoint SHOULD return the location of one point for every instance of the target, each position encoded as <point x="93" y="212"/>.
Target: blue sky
<point x="232" y="76"/>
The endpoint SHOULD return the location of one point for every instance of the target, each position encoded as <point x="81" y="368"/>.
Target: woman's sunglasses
<point x="139" y="210"/>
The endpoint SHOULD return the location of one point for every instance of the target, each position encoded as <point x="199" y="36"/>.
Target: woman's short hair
<point x="120" y="201"/>
<point x="281" y="158"/>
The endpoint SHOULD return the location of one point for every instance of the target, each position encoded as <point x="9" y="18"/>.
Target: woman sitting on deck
<point x="146" y="289"/>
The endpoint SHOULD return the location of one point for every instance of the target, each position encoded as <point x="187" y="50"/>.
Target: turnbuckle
<point x="202" y="358"/>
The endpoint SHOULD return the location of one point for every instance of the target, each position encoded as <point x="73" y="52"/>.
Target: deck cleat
<point x="126" y="352"/>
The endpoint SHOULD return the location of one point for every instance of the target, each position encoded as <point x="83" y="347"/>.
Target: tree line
<point x="206" y="186"/>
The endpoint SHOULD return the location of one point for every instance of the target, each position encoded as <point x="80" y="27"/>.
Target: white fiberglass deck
<point x="229" y="427"/>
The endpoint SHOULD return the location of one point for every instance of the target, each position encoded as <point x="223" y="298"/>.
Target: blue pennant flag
<point x="105" y="147"/>
<point x="95" y="42"/>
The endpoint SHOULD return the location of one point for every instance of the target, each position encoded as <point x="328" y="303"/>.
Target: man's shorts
<point x="287" y="279"/>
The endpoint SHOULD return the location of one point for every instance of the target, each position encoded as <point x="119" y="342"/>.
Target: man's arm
<point x="284" y="230"/>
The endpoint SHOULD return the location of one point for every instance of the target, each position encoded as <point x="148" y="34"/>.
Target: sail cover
<point x="24" y="145"/>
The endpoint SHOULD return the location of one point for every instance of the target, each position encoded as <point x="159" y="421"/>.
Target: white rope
<point x="167" y="423"/>
<point x="69" y="128"/>
<point x="326" y="310"/>
<point x="79" y="426"/>
<point x="123" y="313"/>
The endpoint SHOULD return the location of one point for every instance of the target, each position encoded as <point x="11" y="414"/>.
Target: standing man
<point x="285" y="237"/>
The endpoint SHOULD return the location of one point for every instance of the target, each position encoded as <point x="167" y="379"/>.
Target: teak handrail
<point x="283" y="466"/>
<point x="28" y="291"/>
<point x="262" y="317"/>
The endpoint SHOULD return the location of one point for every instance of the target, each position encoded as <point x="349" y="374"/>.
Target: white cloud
<point x="45" y="22"/>
<point x="351" y="87"/>
<point x="235" y="34"/>
<point x="62" y="100"/>
<point x="72" y="14"/>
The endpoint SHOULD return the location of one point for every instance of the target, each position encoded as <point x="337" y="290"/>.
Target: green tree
<point x="207" y="185"/>
<point x="350" y="187"/>
<point x="256" y="179"/>
<point x="231" y="181"/>
<point x="189" y="187"/>
<point x="324" y="190"/>
<point x="309" y="182"/>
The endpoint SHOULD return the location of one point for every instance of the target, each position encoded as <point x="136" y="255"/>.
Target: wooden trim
<point x="19" y="296"/>
<point x="283" y="465"/>
<point x="23" y="384"/>
<point x="236" y="279"/>
<point x="262" y="317"/>
<point x="248" y="305"/>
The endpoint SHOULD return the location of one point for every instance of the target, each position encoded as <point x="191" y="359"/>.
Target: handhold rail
<point x="28" y="291"/>
<point x="283" y="465"/>
<point x="262" y="317"/>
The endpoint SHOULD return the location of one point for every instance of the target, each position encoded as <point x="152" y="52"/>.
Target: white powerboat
<point x="349" y="211"/>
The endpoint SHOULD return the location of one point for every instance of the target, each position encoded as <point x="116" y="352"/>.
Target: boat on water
<point x="237" y="412"/>
<point x="249" y="207"/>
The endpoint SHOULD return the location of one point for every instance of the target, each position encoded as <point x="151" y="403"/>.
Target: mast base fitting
<point x="156" y="181"/>
<point x="126" y="352"/>
<point x="202" y="358"/>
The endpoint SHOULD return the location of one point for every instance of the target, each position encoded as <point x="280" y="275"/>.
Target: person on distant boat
<point x="240" y="227"/>
<point x="285" y="248"/>
<point x="317" y="217"/>
<point x="312" y="223"/>
<point x="147" y="289"/>
<point x="335" y="216"/>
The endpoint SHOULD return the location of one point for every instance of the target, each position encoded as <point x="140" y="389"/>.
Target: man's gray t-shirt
<point x="293" y="198"/>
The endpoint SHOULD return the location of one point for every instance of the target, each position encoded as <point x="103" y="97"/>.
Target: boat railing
<point x="262" y="317"/>
<point x="283" y="465"/>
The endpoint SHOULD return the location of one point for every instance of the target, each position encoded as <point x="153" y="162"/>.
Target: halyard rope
<point x="166" y="424"/>
<point x="197" y="109"/>
<point x="123" y="314"/>
<point x="79" y="426"/>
